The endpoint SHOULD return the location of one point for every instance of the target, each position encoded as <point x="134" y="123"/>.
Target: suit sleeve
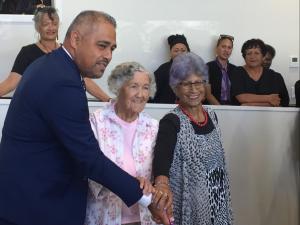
<point x="65" y="110"/>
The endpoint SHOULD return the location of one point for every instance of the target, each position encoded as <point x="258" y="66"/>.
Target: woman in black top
<point x="46" y="22"/>
<point x="254" y="85"/>
<point x="220" y="70"/>
<point x="189" y="161"/>
<point x="164" y="94"/>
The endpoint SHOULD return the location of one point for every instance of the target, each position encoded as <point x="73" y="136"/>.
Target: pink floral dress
<point x="103" y="206"/>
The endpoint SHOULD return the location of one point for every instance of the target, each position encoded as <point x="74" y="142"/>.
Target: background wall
<point x="143" y="27"/>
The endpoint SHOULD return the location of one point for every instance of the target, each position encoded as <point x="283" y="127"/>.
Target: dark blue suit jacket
<point x="48" y="149"/>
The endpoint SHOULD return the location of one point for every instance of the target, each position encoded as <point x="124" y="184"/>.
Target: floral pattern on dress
<point x="103" y="206"/>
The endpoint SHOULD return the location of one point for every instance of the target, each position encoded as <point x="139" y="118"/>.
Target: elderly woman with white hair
<point x="189" y="157"/>
<point x="126" y="135"/>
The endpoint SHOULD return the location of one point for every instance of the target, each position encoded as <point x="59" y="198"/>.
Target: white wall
<point x="143" y="27"/>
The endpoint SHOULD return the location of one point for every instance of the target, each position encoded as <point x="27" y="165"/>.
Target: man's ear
<point x="75" y="39"/>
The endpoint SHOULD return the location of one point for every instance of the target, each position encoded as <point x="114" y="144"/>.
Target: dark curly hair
<point x="270" y="50"/>
<point x="254" y="43"/>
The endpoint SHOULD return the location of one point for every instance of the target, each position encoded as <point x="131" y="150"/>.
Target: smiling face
<point x="254" y="57"/>
<point x="48" y="28"/>
<point x="191" y="91"/>
<point x="224" y="49"/>
<point x="93" y="48"/>
<point x="134" y="94"/>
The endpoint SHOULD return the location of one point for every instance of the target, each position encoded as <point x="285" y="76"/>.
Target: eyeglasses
<point x="226" y="36"/>
<point x="189" y="85"/>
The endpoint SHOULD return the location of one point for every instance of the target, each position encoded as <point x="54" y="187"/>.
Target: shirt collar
<point x="68" y="53"/>
<point x="63" y="47"/>
<point x="220" y="65"/>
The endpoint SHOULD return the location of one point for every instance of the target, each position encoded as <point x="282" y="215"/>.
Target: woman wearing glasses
<point x="188" y="157"/>
<point x="220" y="70"/>
<point x="254" y="85"/>
<point x="46" y="23"/>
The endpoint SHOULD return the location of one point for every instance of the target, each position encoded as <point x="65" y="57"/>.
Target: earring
<point x="37" y="36"/>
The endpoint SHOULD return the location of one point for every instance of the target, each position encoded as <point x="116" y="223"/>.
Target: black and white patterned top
<point x="197" y="172"/>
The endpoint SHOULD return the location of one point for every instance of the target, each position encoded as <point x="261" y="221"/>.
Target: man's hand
<point x="146" y="185"/>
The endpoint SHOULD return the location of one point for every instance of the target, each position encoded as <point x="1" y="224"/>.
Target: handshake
<point x="161" y="201"/>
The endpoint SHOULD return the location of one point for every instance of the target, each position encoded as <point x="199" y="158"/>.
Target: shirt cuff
<point x="145" y="200"/>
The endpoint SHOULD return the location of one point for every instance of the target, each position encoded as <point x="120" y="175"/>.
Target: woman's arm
<point x="10" y="83"/>
<point x="210" y="97"/>
<point x="271" y="99"/>
<point x="165" y="145"/>
<point x="93" y="89"/>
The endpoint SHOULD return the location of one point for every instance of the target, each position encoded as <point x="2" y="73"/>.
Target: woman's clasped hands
<point x="161" y="203"/>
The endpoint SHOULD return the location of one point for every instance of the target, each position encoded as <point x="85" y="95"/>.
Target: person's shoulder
<point x="211" y="113"/>
<point x="171" y="117"/>
<point x="208" y="109"/>
<point x="170" y="122"/>
<point x="163" y="66"/>
<point x="273" y="73"/>
<point x="30" y="47"/>
<point x="31" y="50"/>
<point x="231" y="65"/>
<point x="100" y="114"/>
<point x="210" y="63"/>
<point x="238" y="70"/>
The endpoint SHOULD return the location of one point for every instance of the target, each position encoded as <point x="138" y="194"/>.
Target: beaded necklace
<point x="200" y="124"/>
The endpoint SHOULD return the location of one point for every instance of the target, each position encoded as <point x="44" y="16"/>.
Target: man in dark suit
<point x="48" y="150"/>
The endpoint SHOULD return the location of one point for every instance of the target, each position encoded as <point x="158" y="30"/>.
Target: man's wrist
<point x="145" y="200"/>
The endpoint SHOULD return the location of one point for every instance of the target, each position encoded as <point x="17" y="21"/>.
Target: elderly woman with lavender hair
<point x="189" y="161"/>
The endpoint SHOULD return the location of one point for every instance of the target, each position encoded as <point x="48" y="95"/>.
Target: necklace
<point x="198" y="123"/>
<point x="48" y="50"/>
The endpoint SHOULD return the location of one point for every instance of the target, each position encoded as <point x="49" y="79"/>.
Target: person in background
<point x="189" y="158"/>
<point x="29" y="6"/>
<point x="220" y="70"/>
<point x="126" y="135"/>
<point x="48" y="150"/>
<point x="268" y="58"/>
<point x="8" y="6"/>
<point x="46" y="23"/>
<point x="254" y="85"/>
<point x="297" y="93"/>
<point x="164" y="94"/>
